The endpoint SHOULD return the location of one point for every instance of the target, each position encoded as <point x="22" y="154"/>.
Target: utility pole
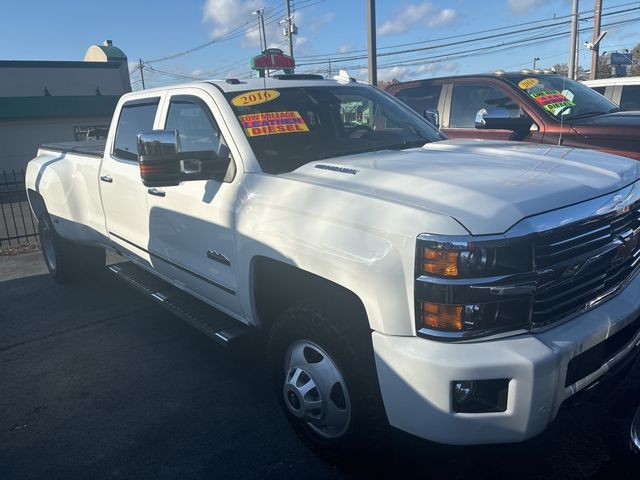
<point x="289" y="27"/>
<point x="595" y="52"/>
<point x="142" y="73"/>
<point x="329" y="68"/>
<point x="574" y="36"/>
<point x="371" y="21"/>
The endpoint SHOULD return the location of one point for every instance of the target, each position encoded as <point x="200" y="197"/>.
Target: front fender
<point x="364" y="244"/>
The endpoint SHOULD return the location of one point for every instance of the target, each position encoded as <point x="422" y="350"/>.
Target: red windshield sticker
<point x="551" y="100"/>
<point x="257" y="124"/>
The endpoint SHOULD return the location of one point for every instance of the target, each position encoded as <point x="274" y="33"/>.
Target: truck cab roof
<point x="274" y="82"/>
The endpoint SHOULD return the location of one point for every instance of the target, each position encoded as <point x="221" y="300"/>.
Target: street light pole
<point x="261" y="32"/>
<point x="534" y="62"/>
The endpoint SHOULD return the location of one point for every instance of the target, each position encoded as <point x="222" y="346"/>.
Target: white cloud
<point x="227" y="14"/>
<point x="450" y="67"/>
<point x="414" y="14"/>
<point x="404" y="73"/>
<point x="443" y="18"/>
<point x="427" y="68"/>
<point x="344" y="48"/>
<point x="408" y="17"/>
<point x="524" y="7"/>
<point x="387" y="74"/>
<point x="361" y="74"/>
<point x="436" y="68"/>
<point x="300" y="41"/>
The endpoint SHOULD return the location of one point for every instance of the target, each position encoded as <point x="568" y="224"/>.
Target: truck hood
<point x="616" y="119"/>
<point x="487" y="186"/>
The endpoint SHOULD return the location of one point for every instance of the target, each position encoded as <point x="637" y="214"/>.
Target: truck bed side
<point x="66" y="176"/>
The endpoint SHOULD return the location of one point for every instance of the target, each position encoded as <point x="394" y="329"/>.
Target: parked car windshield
<point x="289" y="127"/>
<point x="562" y="98"/>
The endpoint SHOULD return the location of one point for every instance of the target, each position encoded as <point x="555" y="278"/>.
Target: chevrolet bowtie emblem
<point x="578" y="269"/>
<point x="629" y="244"/>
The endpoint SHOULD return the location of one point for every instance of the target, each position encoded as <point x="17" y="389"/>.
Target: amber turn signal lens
<point x="440" y="262"/>
<point x="441" y="316"/>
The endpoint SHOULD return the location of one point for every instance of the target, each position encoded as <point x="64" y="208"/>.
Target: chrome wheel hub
<point x="315" y="391"/>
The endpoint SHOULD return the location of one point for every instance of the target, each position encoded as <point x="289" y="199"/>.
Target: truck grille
<point x="584" y="261"/>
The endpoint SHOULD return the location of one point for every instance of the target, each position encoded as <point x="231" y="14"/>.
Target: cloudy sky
<point x="436" y="37"/>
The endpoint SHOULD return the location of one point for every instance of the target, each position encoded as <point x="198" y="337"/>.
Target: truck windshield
<point x="560" y="97"/>
<point x="289" y="127"/>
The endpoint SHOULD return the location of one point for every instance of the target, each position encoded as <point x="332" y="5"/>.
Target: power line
<point x="337" y="55"/>
<point x="434" y="47"/>
<point x="231" y="34"/>
<point x="496" y="48"/>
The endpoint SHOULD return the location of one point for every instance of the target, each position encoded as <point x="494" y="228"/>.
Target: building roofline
<point x="56" y="64"/>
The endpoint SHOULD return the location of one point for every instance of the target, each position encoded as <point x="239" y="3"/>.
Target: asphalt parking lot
<point x="98" y="382"/>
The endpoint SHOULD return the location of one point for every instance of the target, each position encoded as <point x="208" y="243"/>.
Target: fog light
<point x="463" y="391"/>
<point x="479" y="396"/>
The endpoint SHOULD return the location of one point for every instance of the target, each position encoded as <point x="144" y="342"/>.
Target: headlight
<point x="471" y="287"/>
<point x="462" y="258"/>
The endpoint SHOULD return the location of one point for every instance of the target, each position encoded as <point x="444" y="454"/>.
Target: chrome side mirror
<point x="158" y="142"/>
<point x="163" y="164"/>
<point x="500" y="119"/>
<point x="432" y="116"/>
<point x="488" y="118"/>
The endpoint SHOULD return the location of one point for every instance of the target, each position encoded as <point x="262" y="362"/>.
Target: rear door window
<point x="135" y="117"/>
<point x="630" y="99"/>
<point x="421" y="98"/>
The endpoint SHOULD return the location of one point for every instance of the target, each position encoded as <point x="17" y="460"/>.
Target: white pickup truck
<point x="461" y="291"/>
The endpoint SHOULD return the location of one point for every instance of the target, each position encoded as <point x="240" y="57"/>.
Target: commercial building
<point x="57" y="101"/>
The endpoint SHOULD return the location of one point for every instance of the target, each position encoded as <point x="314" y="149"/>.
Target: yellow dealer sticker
<point x="258" y="124"/>
<point x="528" y="83"/>
<point x="255" y="97"/>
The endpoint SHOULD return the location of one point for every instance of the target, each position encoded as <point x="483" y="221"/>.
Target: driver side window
<point x="196" y="128"/>
<point x="467" y="99"/>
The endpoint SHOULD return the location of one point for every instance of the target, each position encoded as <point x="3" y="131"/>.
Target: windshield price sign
<point x="551" y="100"/>
<point x="266" y="123"/>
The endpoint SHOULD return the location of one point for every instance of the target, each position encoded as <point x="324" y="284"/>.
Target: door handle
<point x="156" y="192"/>
<point x="107" y="178"/>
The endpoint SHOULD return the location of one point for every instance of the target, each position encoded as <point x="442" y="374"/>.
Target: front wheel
<point x="67" y="262"/>
<point x="325" y="381"/>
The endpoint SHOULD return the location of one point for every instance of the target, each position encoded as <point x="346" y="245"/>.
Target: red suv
<point x="525" y="106"/>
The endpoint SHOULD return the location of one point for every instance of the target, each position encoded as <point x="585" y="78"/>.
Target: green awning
<point x="21" y="108"/>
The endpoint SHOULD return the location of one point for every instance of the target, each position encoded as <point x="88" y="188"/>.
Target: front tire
<point x="68" y="262"/>
<point x="325" y="380"/>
